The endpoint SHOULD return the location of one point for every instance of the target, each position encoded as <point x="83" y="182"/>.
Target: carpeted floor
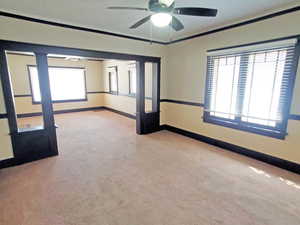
<point x="107" y="175"/>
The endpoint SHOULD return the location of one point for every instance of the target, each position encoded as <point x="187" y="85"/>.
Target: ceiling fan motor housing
<point x="158" y="7"/>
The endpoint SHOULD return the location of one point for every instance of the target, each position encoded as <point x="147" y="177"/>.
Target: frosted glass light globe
<point x="161" y="19"/>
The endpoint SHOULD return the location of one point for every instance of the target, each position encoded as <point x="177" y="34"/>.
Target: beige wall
<point x="189" y="118"/>
<point x="183" y="74"/>
<point x="24" y="31"/>
<point x="5" y="142"/>
<point x="120" y="102"/>
<point x="186" y="81"/>
<point x="187" y="60"/>
<point x="123" y="79"/>
<point x="21" y="85"/>
<point x="2" y="105"/>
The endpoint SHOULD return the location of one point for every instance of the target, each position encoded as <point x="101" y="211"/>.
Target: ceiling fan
<point x="163" y="11"/>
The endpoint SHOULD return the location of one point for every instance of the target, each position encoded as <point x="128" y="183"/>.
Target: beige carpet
<point x="107" y="175"/>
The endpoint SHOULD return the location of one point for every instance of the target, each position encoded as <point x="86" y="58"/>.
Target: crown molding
<point x="246" y="22"/>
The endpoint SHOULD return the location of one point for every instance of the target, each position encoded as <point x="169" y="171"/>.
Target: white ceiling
<point x="93" y="14"/>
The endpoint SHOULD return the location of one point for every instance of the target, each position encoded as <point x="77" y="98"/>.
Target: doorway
<point x="36" y="142"/>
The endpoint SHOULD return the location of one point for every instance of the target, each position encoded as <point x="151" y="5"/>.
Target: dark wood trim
<point x="7" y="93"/>
<point x="182" y="102"/>
<point x="130" y="67"/>
<point x="3" y="115"/>
<point x="24" y="115"/>
<point x="23" y="96"/>
<point x="19" y="161"/>
<point x="256" y="43"/>
<point x="280" y="131"/>
<point x="155" y="87"/>
<point x="129" y="95"/>
<point x="47" y="107"/>
<point x="255" y="129"/>
<point x="140" y="96"/>
<point x="62" y="67"/>
<point x="51" y="23"/>
<point x="24" y="145"/>
<point x="281" y="163"/>
<point x="99" y="92"/>
<point x="61" y="111"/>
<point x="247" y="22"/>
<point x="291" y="116"/>
<point x="120" y="112"/>
<point x="59" y="101"/>
<point x="109" y="80"/>
<point x="96" y="92"/>
<point x="63" y="101"/>
<point x="294" y="117"/>
<point x="89" y="92"/>
<point x="59" y="50"/>
<point x="53" y="57"/>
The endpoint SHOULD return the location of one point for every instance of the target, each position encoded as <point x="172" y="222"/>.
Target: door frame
<point x="41" y="51"/>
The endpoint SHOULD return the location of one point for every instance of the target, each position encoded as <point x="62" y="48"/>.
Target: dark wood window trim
<point x="109" y="80"/>
<point x="279" y="132"/>
<point x="59" y="101"/>
<point x="131" y="94"/>
<point x="38" y="144"/>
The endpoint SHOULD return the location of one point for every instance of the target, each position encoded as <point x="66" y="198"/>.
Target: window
<point x="113" y="79"/>
<point x="132" y="79"/>
<point x="66" y="84"/>
<point x="250" y="88"/>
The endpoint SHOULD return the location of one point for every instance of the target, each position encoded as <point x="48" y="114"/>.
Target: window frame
<point x="58" y="101"/>
<point x="279" y="131"/>
<point x="130" y="66"/>
<point x="109" y="80"/>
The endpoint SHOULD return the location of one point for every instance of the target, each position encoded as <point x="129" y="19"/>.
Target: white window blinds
<point x="249" y="87"/>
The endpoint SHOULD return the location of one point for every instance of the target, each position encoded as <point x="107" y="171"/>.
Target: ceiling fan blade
<point x="140" y="22"/>
<point x="189" y="11"/>
<point x="127" y="8"/>
<point x="176" y="24"/>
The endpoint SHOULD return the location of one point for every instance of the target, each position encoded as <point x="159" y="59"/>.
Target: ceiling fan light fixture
<point x="161" y="19"/>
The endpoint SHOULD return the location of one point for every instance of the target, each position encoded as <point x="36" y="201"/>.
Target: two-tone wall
<point x="186" y="82"/>
<point x="182" y="76"/>
<point x="123" y="102"/>
<point x="21" y="83"/>
<point x="31" y="32"/>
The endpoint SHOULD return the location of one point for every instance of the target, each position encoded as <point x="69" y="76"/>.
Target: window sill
<point x="250" y="129"/>
<point x="113" y="93"/>
<point x="63" y="101"/>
